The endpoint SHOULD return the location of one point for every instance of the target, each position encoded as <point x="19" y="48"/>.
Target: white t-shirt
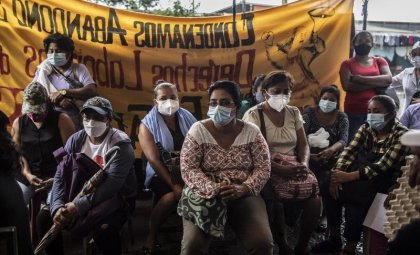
<point x="97" y="151"/>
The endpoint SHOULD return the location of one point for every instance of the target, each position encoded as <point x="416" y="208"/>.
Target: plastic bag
<point x="319" y="139"/>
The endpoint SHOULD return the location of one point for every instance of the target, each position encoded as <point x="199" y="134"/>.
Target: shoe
<point x="327" y="246"/>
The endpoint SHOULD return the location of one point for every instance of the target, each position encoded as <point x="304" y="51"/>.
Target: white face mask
<point x="278" y="102"/>
<point x="168" y="107"/>
<point x="57" y="59"/>
<point x="415" y="61"/>
<point x="94" y="128"/>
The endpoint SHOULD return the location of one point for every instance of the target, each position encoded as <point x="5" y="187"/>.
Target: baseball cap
<point x="411" y="138"/>
<point x="35" y="98"/>
<point x="99" y="104"/>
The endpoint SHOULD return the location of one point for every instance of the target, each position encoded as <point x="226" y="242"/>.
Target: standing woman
<point x="291" y="179"/>
<point x="409" y="78"/>
<point x="168" y="124"/>
<point x="362" y="77"/>
<point x="225" y="164"/>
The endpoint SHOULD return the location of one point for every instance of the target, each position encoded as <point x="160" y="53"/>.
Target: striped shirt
<point x="390" y="149"/>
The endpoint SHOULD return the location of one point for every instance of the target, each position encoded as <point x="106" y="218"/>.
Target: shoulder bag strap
<point x="262" y="122"/>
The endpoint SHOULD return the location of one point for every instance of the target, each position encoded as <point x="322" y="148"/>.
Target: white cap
<point x="411" y="138"/>
<point x="416" y="45"/>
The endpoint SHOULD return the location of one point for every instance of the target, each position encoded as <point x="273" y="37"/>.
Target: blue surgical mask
<point x="327" y="106"/>
<point x="376" y="121"/>
<point x="259" y="97"/>
<point x="57" y="59"/>
<point x="220" y="115"/>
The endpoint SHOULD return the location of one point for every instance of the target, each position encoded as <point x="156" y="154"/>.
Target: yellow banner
<point x="127" y="52"/>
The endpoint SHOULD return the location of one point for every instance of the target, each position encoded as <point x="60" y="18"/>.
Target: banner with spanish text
<point x="127" y="52"/>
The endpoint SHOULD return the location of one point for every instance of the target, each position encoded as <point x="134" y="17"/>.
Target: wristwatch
<point x="63" y="92"/>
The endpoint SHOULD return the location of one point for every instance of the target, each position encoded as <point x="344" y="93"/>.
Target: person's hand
<point x="334" y="190"/>
<point x="177" y="189"/>
<point x="414" y="172"/>
<point x="65" y="214"/>
<point x="233" y="191"/>
<point x="290" y="171"/>
<point x="338" y="176"/>
<point x="314" y="157"/>
<point x="56" y="97"/>
<point x="415" y="100"/>
<point x="326" y="154"/>
<point x="45" y="185"/>
<point x="34" y="181"/>
<point x="66" y="103"/>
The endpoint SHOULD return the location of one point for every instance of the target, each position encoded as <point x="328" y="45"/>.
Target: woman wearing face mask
<point x="325" y="146"/>
<point x="283" y="128"/>
<point x="370" y="164"/>
<point x="254" y="96"/>
<point x="168" y="124"/>
<point x="409" y="78"/>
<point x="68" y="84"/>
<point x="362" y="77"/>
<point x="225" y="164"/>
<point x="37" y="134"/>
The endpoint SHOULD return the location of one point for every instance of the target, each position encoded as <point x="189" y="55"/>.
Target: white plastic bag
<point x="319" y="139"/>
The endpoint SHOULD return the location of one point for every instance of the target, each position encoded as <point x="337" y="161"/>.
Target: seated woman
<point x="13" y="211"/>
<point x="167" y="124"/>
<point x="370" y="164"/>
<point x="38" y="133"/>
<point x="325" y="146"/>
<point x="225" y="164"/>
<point x="291" y="179"/>
<point x="253" y="97"/>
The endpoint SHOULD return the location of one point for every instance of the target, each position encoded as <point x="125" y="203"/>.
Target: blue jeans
<point x="355" y="121"/>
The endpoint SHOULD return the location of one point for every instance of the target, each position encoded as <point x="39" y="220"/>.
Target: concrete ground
<point x="170" y="236"/>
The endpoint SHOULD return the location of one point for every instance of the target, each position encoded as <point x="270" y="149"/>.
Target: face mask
<point x="220" y="115"/>
<point x="415" y="61"/>
<point x="327" y="106"/>
<point x="376" y="121"/>
<point x="362" y="49"/>
<point x="37" y="117"/>
<point x="259" y="97"/>
<point x="94" y="128"/>
<point x="278" y="102"/>
<point x="57" y="59"/>
<point x="168" y="107"/>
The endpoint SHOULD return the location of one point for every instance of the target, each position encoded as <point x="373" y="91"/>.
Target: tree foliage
<point x="177" y="8"/>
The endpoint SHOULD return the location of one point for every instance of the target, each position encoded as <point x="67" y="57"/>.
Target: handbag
<point x="301" y="187"/>
<point x="298" y="188"/>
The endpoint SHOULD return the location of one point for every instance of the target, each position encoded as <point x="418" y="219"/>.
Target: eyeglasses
<point x="224" y="103"/>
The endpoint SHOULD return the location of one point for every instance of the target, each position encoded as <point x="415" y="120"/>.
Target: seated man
<point x="95" y="140"/>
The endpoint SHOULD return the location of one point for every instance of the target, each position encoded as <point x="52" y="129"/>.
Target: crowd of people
<point x="256" y="164"/>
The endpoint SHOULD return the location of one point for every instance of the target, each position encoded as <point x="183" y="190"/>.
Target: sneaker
<point x="327" y="246"/>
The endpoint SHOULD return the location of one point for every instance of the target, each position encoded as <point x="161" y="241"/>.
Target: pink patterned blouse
<point x="247" y="161"/>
